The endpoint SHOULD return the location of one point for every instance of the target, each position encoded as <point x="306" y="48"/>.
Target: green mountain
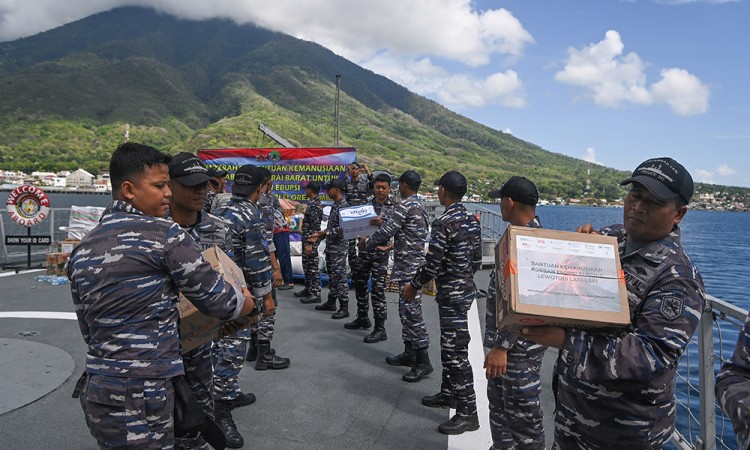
<point x="69" y="94"/>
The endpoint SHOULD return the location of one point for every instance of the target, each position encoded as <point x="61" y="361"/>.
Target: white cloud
<point x="715" y="176"/>
<point x="590" y="156"/>
<point x="452" y="90"/>
<point x="611" y="78"/>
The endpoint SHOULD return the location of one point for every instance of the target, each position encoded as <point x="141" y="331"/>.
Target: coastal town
<point x="82" y="181"/>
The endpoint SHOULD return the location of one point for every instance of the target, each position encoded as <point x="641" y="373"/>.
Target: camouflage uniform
<point x="515" y="407"/>
<point x="311" y="263"/>
<point x="408" y="225"/>
<point x="455" y="254"/>
<point x="266" y="323"/>
<point x="210" y="197"/>
<point x="616" y="388"/>
<point x="733" y="387"/>
<point x="208" y="232"/>
<point x="251" y="253"/>
<point x="125" y="276"/>
<point x="336" y="248"/>
<point x="357" y="193"/>
<point x="373" y="263"/>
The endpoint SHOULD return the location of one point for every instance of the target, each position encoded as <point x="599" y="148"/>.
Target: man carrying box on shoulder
<point x="616" y="387"/>
<point x="513" y="364"/>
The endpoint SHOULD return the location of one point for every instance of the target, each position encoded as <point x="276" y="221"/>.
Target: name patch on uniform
<point x="671" y="307"/>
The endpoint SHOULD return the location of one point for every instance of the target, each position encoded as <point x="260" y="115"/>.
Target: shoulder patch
<point x="671" y="307"/>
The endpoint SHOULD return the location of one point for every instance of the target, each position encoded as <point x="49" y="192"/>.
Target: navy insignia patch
<point x="671" y="307"/>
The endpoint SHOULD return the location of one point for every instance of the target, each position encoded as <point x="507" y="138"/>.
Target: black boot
<point x="243" y="399"/>
<point x="378" y="334"/>
<point x="343" y="311"/>
<point x="460" y="424"/>
<point x="360" y="323"/>
<point x="407" y="358"/>
<point x="301" y="294"/>
<point x="421" y="369"/>
<point x="252" y="348"/>
<point x="310" y="299"/>
<point x="223" y="414"/>
<point x="267" y="358"/>
<point x="327" y="306"/>
<point x="440" y="400"/>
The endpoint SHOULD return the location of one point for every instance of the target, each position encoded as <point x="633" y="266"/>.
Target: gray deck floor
<point x="338" y="392"/>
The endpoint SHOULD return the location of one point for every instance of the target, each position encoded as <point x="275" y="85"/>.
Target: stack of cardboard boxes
<point x="58" y="256"/>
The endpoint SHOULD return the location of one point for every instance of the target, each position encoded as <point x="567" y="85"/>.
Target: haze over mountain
<point x="69" y="94"/>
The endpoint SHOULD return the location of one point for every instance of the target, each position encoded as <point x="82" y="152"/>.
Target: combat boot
<point x="327" y="306"/>
<point x="459" y="424"/>
<point x="252" y="348"/>
<point x="267" y="358"/>
<point x="407" y="358"/>
<point x="302" y="294"/>
<point x="243" y="399"/>
<point x="360" y="323"/>
<point x="310" y="299"/>
<point x="343" y="311"/>
<point x="223" y="414"/>
<point x="378" y="334"/>
<point x="440" y="400"/>
<point x="421" y="369"/>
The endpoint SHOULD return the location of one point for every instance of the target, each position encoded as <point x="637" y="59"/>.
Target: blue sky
<point x="610" y="81"/>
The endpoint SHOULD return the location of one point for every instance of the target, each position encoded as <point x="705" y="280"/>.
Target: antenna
<point x="336" y="111"/>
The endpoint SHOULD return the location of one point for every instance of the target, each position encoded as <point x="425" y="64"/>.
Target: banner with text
<point x="292" y="168"/>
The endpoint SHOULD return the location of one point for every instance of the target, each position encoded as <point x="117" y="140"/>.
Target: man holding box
<point x="336" y="251"/>
<point x="616" y="387"/>
<point x="455" y="254"/>
<point x="513" y="364"/>
<point x="373" y="265"/>
<point x="124" y="277"/>
<point x="189" y="180"/>
<point x="408" y="227"/>
<point x="251" y="253"/>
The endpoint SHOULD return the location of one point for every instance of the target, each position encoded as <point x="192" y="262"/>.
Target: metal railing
<point x="704" y="426"/>
<point x="55" y="226"/>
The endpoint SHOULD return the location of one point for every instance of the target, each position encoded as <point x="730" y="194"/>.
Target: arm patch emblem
<point x="671" y="307"/>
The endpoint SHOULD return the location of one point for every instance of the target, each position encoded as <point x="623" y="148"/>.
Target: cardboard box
<point x="197" y="328"/>
<point x="56" y="263"/>
<point x="67" y="245"/>
<point x="559" y="278"/>
<point x="355" y="221"/>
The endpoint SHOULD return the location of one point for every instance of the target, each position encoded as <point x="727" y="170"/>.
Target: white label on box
<point x="567" y="274"/>
<point x="355" y="221"/>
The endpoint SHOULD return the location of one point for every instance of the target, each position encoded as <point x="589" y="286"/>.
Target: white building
<point x="80" y="179"/>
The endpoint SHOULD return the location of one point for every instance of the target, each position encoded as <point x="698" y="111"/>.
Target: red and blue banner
<point x="292" y="168"/>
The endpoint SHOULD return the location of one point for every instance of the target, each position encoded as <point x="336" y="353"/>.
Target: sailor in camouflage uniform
<point x="188" y="181"/>
<point x="125" y="276"/>
<point x="733" y="388"/>
<point x="260" y="349"/>
<point x="215" y="188"/>
<point x="357" y="192"/>
<point x="373" y="265"/>
<point x="455" y="254"/>
<point x="251" y="253"/>
<point x="336" y="251"/>
<point x="513" y="364"/>
<point x="310" y="260"/>
<point x="408" y="227"/>
<point x="616" y="388"/>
